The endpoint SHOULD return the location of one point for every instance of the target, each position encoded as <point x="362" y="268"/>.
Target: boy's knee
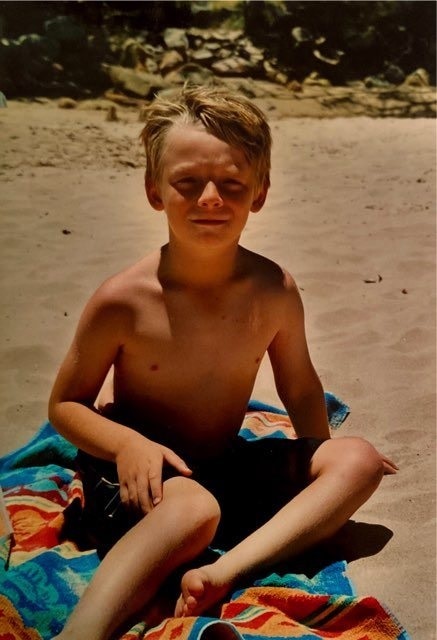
<point x="193" y="502"/>
<point x="367" y="459"/>
<point x="356" y="458"/>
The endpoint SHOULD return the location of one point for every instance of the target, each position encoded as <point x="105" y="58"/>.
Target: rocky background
<point x="317" y="58"/>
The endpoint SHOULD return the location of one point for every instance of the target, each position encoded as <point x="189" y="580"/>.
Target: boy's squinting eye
<point x="186" y="184"/>
<point x="186" y="181"/>
<point x="190" y="184"/>
<point x="233" y="185"/>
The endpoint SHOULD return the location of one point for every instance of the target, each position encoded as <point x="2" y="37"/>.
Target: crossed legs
<point x="128" y="578"/>
<point x="344" y="473"/>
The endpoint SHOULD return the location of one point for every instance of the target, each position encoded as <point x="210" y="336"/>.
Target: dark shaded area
<point x="355" y="540"/>
<point x="357" y="38"/>
<point x="57" y="48"/>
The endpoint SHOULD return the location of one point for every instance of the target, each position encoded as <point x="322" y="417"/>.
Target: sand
<point x="350" y="214"/>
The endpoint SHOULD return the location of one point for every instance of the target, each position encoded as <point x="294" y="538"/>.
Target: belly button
<point x="154" y="367"/>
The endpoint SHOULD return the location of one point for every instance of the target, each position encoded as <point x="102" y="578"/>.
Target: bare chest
<point x="206" y="345"/>
<point x="196" y="340"/>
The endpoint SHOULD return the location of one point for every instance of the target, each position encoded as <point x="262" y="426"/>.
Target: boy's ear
<point x="258" y="202"/>
<point x="153" y="195"/>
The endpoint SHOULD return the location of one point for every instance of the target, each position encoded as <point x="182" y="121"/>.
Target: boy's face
<point x="207" y="188"/>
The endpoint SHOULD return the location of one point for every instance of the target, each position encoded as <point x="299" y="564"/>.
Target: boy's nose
<point x="210" y="196"/>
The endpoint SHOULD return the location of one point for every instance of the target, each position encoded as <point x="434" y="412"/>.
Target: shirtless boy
<point x="185" y="330"/>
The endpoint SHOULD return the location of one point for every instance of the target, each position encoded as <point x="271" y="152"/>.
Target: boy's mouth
<point x="210" y="222"/>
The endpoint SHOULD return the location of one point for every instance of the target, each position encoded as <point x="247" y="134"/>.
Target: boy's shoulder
<point x="124" y="286"/>
<point x="269" y="274"/>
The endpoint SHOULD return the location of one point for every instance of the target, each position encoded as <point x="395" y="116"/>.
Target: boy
<point x="185" y="330"/>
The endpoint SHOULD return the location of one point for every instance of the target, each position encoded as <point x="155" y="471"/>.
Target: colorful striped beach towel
<point x="45" y="574"/>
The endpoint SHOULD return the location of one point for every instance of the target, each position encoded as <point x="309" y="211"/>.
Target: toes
<point x="185" y="606"/>
<point x="193" y="588"/>
<point x="179" y="608"/>
<point x="190" y="604"/>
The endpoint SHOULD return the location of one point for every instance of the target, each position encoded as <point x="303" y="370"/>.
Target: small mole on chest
<point x="154" y="367"/>
<point x="258" y="360"/>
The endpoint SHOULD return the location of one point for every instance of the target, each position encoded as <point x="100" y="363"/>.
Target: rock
<point x="67" y="103"/>
<point x="196" y="33"/>
<point x="281" y="78"/>
<point x="120" y="98"/>
<point x="255" y="54"/>
<point x="170" y="60"/>
<point x="190" y="72"/>
<point x="246" y="86"/>
<point x="232" y="66"/>
<point x="204" y="56"/>
<point x="150" y="66"/>
<point x="295" y="86"/>
<point x="153" y="51"/>
<point x="95" y="104"/>
<point x="111" y="114"/>
<point x="227" y="35"/>
<point x="139" y="83"/>
<point x="301" y="35"/>
<point x="213" y="46"/>
<point x="423" y="111"/>
<point x="269" y="70"/>
<point x="332" y="57"/>
<point x="133" y="54"/>
<point x="419" y="95"/>
<point x="224" y="52"/>
<point x="175" y="39"/>
<point x="3" y="101"/>
<point x="376" y="82"/>
<point x="419" y="78"/>
<point x="274" y="74"/>
<point x="315" y="80"/>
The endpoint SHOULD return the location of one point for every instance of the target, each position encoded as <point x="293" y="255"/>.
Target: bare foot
<point x="201" y="589"/>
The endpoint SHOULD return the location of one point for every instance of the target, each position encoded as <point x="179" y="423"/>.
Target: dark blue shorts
<point x="251" y="481"/>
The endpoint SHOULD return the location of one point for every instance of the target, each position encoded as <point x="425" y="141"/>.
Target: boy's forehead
<point x="191" y="143"/>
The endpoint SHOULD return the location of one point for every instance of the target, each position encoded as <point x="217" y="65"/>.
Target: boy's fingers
<point x="124" y="494"/>
<point x="172" y="458"/>
<point x="134" y="502"/>
<point x="143" y="488"/>
<point x="390" y="469"/>
<point x="155" y="482"/>
<point x="389" y="466"/>
<point x="128" y="495"/>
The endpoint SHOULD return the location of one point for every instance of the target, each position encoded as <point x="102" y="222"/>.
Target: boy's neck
<point x="204" y="269"/>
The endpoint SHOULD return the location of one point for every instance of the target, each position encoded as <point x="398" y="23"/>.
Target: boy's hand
<point x="139" y="467"/>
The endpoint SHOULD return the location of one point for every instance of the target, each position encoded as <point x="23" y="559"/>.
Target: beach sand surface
<point x="350" y="214"/>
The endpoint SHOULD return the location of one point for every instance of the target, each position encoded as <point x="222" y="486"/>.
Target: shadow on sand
<point x="354" y="541"/>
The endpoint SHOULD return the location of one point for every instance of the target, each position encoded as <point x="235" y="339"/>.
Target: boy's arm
<point x="97" y="342"/>
<point x="297" y="382"/>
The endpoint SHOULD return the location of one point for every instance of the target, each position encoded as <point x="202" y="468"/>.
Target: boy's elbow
<point x="53" y="410"/>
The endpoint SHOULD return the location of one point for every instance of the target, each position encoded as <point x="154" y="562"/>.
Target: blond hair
<point x="226" y="115"/>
